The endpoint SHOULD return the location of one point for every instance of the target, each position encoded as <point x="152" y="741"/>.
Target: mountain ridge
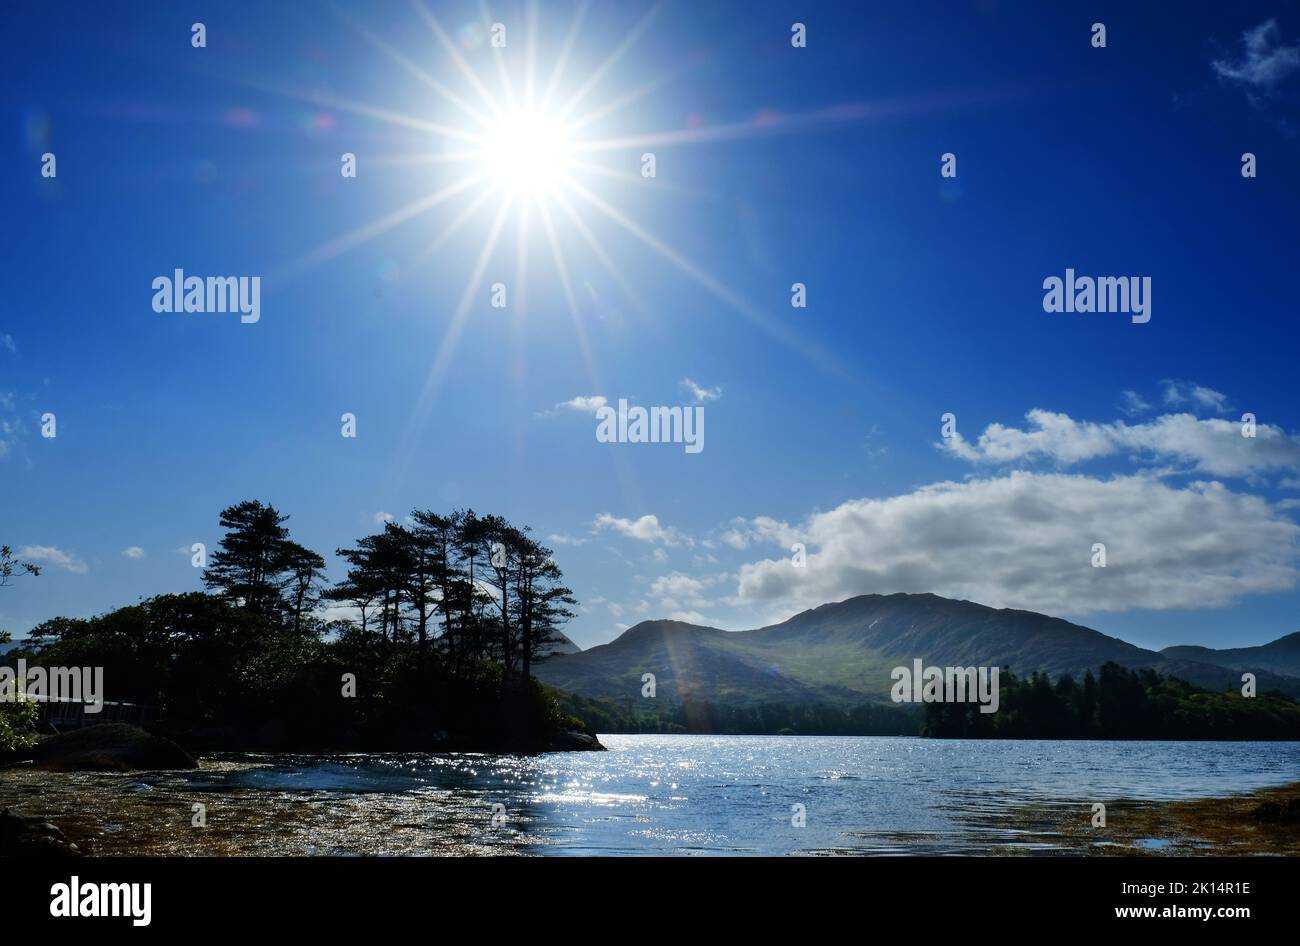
<point x="842" y="653"/>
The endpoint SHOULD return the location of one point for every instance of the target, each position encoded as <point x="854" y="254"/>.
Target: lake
<point x="695" y="795"/>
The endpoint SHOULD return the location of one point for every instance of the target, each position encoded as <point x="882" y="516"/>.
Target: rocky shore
<point x="1263" y="822"/>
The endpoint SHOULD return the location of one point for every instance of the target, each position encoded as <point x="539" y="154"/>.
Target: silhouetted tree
<point x="302" y="587"/>
<point x="251" y="559"/>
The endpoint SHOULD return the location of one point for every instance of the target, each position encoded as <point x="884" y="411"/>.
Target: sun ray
<point x="457" y="59"/>
<point x="411" y="67"/>
<point x="446" y="350"/>
<point x="628" y="98"/>
<point x="776" y="329"/>
<point x="519" y="310"/>
<point x="516" y="344"/>
<point x="530" y="54"/>
<point x="601" y="254"/>
<point x="418" y="159"/>
<point x="612" y="59"/>
<point x="562" y="60"/>
<point x="452" y="336"/>
<point x="627" y="177"/>
<point x="360" y="108"/>
<point x="451" y="229"/>
<point x="502" y="72"/>
<point x="785" y="124"/>
<point x="371" y="230"/>
<point x="593" y="375"/>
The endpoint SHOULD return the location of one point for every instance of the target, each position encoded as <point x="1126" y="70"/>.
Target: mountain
<point x="1281" y="656"/>
<point x="559" y="644"/>
<point x="842" y="654"/>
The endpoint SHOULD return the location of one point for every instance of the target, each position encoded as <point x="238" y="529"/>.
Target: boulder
<point x="574" y="741"/>
<point x="28" y="836"/>
<point x="112" y="747"/>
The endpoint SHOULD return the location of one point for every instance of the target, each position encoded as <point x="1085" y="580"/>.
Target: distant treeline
<point x="1116" y="703"/>
<point x="706" y="716"/>
<point x="447" y="615"/>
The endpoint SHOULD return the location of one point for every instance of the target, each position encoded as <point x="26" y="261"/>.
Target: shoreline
<point x="1262" y="822"/>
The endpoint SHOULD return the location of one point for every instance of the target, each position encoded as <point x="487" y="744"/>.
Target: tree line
<point x="1115" y="703"/>
<point x="438" y="621"/>
<point x="473" y="587"/>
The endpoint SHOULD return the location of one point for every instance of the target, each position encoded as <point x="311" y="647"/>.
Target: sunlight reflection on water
<point x="648" y="794"/>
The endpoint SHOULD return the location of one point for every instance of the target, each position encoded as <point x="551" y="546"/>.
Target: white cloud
<point x="381" y="517"/>
<point x="645" y="529"/>
<point x="1025" y="541"/>
<point x="7" y="343"/>
<point x="582" y="404"/>
<point x="701" y="394"/>
<point x="1211" y="446"/>
<point x="133" y="552"/>
<point x="560" y="538"/>
<point x="1185" y="392"/>
<point x="677" y="585"/>
<point x="678" y="593"/>
<point x="50" y="555"/>
<point x="736" y="538"/>
<point x="1133" y="404"/>
<point x="1265" y="62"/>
<point x="11" y="424"/>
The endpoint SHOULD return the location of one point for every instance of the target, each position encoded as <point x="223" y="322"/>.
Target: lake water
<point x="658" y="794"/>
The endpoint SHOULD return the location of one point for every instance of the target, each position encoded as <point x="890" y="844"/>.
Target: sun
<point x="528" y="153"/>
<point x="511" y="150"/>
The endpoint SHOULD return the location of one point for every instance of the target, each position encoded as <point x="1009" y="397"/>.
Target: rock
<point x="112" y="747"/>
<point x="574" y="741"/>
<point x="27" y="836"/>
<point x="1284" y="812"/>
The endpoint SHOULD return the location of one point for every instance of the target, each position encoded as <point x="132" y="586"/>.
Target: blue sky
<point x="775" y="165"/>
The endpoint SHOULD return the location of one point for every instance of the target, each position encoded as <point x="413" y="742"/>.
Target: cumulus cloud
<point x="645" y="529"/>
<point x="1214" y="446"/>
<point x="681" y="597"/>
<point x="677" y="584"/>
<point x="700" y="394"/>
<point x="50" y="555"/>
<point x="133" y="552"/>
<point x="381" y="517"/>
<point x="744" y="533"/>
<point x="1025" y="541"/>
<point x="1265" y="61"/>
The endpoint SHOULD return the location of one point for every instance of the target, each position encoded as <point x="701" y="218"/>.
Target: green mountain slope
<point x="843" y="653"/>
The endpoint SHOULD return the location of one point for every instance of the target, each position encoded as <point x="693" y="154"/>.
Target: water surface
<point x="651" y="794"/>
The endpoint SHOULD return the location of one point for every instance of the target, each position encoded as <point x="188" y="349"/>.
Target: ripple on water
<point x="651" y="794"/>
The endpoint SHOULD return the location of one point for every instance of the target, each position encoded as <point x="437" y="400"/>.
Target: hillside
<point x="1282" y="656"/>
<point x="842" y="654"/>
